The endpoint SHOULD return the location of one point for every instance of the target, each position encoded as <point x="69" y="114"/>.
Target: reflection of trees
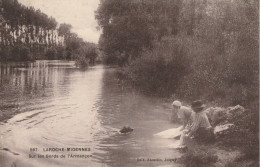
<point x="27" y="86"/>
<point x="31" y="77"/>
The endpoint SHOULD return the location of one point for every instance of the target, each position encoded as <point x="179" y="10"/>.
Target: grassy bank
<point x="189" y="50"/>
<point x="237" y="146"/>
<point x="187" y="69"/>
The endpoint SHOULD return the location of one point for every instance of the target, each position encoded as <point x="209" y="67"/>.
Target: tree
<point x="126" y="29"/>
<point x="64" y="29"/>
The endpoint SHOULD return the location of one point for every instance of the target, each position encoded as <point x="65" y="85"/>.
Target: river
<point x="53" y="104"/>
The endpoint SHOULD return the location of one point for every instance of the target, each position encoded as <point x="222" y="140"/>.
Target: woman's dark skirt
<point x="204" y="135"/>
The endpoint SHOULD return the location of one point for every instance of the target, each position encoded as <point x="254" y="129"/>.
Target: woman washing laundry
<point x="185" y="114"/>
<point x="195" y="125"/>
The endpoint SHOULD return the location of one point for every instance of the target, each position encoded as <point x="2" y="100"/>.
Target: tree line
<point x="29" y="34"/>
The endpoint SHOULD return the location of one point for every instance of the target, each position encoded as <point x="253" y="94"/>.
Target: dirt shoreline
<point x="5" y="116"/>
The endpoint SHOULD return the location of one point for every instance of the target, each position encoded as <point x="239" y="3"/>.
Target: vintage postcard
<point x="129" y="83"/>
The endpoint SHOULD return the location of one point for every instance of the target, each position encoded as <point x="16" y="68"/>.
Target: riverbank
<point x="4" y="116"/>
<point x="213" y="155"/>
<point x="176" y="69"/>
<point x="200" y="155"/>
<point x="236" y="140"/>
<point x="236" y="146"/>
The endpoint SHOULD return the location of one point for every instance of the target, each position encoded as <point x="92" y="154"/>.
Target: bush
<point x="85" y="55"/>
<point x="159" y="71"/>
<point x="51" y="54"/>
<point x="199" y="158"/>
<point x="81" y="61"/>
<point x="244" y="135"/>
<point x="20" y="52"/>
<point x="61" y="54"/>
<point x="4" y="53"/>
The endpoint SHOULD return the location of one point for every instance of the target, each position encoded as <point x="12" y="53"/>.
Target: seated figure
<point x="200" y="130"/>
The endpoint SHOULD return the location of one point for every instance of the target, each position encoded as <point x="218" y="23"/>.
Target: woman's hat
<point x="176" y="103"/>
<point x="197" y="104"/>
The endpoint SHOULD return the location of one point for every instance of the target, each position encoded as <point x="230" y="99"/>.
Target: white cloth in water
<point x="170" y="133"/>
<point x="221" y="128"/>
<point x="177" y="144"/>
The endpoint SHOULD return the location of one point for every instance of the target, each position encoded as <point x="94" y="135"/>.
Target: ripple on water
<point x="62" y="106"/>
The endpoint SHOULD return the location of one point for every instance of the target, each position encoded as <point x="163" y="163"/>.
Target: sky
<point x="78" y="13"/>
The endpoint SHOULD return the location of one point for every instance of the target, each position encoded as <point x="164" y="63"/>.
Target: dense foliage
<point x="29" y="34"/>
<point x="193" y="49"/>
<point x="131" y="26"/>
<point x="28" y="29"/>
<point x="155" y="72"/>
<point x="17" y="15"/>
<point x="214" y="42"/>
<point x="244" y="135"/>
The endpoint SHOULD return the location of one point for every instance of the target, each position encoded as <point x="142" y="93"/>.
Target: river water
<point x="53" y="104"/>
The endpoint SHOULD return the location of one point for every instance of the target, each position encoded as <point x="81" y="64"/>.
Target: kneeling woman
<point x="200" y="129"/>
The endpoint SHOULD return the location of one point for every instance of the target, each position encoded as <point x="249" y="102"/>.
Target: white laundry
<point x="176" y="145"/>
<point x="170" y="133"/>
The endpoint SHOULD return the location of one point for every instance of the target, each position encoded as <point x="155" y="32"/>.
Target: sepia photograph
<point x="129" y="83"/>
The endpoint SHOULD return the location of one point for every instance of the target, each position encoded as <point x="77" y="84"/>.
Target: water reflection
<point x="62" y="106"/>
